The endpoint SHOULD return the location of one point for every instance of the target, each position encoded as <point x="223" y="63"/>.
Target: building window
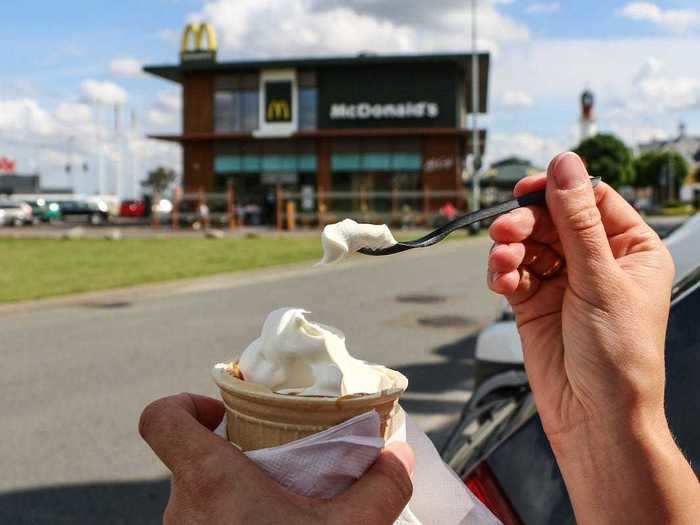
<point x="308" y="108"/>
<point x="250" y="109"/>
<point x="236" y="103"/>
<point x="236" y="111"/>
<point x="226" y="111"/>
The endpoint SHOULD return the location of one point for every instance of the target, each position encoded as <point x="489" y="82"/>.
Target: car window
<point x="683" y="370"/>
<point x="526" y="470"/>
<point x="524" y="464"/>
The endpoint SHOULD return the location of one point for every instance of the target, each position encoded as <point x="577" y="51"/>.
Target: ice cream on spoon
<point x="347" y="236"/>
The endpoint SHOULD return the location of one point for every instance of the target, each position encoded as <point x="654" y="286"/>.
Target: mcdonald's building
<point x="328" y="129"/>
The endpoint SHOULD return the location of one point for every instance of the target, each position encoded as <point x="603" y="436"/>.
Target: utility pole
<point x="100" y="153"/>
<point x="119" y="168"/>
<point x="476" y="155"/>
<point x="69" y="162"/>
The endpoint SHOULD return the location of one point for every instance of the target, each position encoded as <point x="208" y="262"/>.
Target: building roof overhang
<point x="322" y="133"/>
<point x="176" y="72"/>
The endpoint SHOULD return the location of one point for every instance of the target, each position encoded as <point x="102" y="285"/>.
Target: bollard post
<point x="230" y="205"/>
<point x="203" y="209"/>
<point x="154" y="207"/>
<point x="278" y="207"/>
<point x="175" y="214"/>
<point x="426" y="204"/>
<point x="321" y="204"/>
<point x="291" y="215"/>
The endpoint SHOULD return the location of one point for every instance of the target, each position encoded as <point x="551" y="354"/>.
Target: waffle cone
<point x="257" y="418"/>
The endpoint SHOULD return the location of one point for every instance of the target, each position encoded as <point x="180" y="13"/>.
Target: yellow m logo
<point x="278" y="110"/>
<point x="194" y="34"/>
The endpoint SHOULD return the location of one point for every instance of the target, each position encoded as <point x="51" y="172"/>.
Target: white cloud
<point x="543" y="7"/>
<point x="663" y="92"/>
<point x="609" y="67"/>
<point x="74" y="113"/>
<point x="25" y="116"/>
<point x="169" y="100"/>
<point x="349" y="26"/>
<point x="539" y="150"/>
<point x="103" y="92"/>
<point x="516" y="99"/>
<point x="42" y="140"/>
<point x="159" y="118"/>
<point x="126" y="67"/>
<point x="674" y="20"/>
<point x="656" y="90"/>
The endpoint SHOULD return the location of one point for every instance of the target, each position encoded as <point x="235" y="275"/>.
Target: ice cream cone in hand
<point x="298" y="379"/>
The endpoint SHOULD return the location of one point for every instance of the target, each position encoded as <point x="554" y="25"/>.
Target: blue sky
<point x="67" y="63"/>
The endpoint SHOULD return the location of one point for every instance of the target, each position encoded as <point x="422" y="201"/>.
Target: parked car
<point x="15" y="213"/>
<point x="499" y="447"/>
<point x="93" y="212"/>
<point x="501" y="451"/>
<point x="498" y="345"/>
<point x="43" y="211"/>
<point x="132" y="208"/>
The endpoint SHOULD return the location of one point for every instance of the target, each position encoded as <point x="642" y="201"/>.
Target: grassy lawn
<point x="34" y="268"/>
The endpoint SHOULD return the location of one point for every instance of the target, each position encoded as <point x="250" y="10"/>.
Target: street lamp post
<point x="476" y="155"/>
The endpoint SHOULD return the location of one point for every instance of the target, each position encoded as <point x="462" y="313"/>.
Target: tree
<point x="607" y="157"/>
<point x="159" y="179"/>
<point x="659" y="167"/>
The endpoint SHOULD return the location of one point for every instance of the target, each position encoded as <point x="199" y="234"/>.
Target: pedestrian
<point x="203" y="210"/>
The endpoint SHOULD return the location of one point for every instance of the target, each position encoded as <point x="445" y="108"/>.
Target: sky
<point x="66" y="64"/>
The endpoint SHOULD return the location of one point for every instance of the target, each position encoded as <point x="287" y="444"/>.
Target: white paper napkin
<point x="326" y="464"/>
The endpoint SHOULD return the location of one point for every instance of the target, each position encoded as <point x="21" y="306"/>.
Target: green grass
<point x="36" y="268"/>
<point x="677" y="211"/>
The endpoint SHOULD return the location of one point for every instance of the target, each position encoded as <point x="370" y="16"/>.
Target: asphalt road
<point x="75" y="376"/>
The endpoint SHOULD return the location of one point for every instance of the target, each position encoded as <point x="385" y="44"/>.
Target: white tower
<point x="587" y="119"/>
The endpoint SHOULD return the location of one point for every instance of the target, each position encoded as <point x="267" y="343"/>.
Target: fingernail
<point x="518" y="213"/>
<point x="568" y="171"/>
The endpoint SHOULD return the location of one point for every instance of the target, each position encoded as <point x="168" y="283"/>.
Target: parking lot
<point x="74" y="400"/>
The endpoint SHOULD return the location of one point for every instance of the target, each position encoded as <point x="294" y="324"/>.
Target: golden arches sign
<point x="278" y="110"/>
<point x="195" y="34"/>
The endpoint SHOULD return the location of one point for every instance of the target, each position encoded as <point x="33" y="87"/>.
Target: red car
<point x="132" y="208"/>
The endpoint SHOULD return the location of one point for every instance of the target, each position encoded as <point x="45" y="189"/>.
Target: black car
<point x="501" y="451"/>
<point x="94" y="213"/>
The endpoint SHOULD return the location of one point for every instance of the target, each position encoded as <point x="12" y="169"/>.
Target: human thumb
<point x="572" y="206"/>
<point x="380" y="495"/>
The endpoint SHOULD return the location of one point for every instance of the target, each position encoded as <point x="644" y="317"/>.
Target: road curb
<point x="145" y="292"/>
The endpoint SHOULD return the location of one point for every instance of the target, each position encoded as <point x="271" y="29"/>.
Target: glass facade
<point x="308" y="108"/>
<point x="236" y="111"/>
<point x="250" y="109"/>
<point x="266" y="163"/>
<point x="398" y="161"/>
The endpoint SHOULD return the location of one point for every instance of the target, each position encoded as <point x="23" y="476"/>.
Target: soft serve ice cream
<point x="296" y="356"/>
<point x="347" y="236"/>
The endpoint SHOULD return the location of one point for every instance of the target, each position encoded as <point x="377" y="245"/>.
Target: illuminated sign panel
<point x="278" y="101"/>
<point x="401" y="110"/>
<point x="388" y="96"/>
